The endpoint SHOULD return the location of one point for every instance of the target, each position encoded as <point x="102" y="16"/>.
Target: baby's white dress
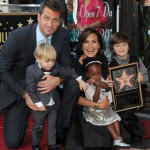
<point x="99" y="117"/>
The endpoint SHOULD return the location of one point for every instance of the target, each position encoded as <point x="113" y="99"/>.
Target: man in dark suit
<point x="16" y="55"/>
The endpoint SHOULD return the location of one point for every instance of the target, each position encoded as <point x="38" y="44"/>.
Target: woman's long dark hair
<point x="82" y="38"/>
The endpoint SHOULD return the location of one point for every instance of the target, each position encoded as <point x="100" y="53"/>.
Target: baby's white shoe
<point x="117" y="143"/>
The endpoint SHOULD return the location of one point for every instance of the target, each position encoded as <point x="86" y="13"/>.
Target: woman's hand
<point x="140" y="77"/>
<point x="86" y="26"/>
<point x="83" y="85"/>
<point x="105" y="103"/>
<point x="110" y="82"/>
<point x="80" y="27"/>
<point x="49" y="84"/>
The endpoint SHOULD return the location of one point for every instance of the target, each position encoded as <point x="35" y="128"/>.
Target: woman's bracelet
<point x="96" y="107"/>
<point x="24" y="94"/>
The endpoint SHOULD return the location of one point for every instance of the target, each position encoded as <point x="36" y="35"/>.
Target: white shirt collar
<point x="39" y="65"/>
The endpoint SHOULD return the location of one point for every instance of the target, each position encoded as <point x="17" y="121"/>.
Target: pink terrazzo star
<point x="125" y="80"/>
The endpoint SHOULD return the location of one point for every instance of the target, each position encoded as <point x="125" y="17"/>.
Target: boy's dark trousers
<point x="38" y="124"/>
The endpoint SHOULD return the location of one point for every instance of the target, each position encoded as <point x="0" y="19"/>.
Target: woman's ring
<point x="44" y="88"/>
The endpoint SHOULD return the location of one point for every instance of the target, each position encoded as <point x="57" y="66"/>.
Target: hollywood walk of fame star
<point x="30" y="21"/>
<point x="20" y="25"/>
<point x="125" y="80"/>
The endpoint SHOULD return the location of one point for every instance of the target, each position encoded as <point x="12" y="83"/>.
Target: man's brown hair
<point x="54" y="5"/>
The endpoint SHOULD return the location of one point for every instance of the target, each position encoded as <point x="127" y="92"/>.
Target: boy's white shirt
<point x="91" y="91"/>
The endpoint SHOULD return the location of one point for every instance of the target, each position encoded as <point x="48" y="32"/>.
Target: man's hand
<point x="49" y="84"/>
<point x="105" y="103"/>
<point x="30" y="103"/>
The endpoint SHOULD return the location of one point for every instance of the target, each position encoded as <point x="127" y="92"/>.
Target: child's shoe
<point x="36" y="147"/>
<point x="54" y="147"/>
<point x="119" y="144"/>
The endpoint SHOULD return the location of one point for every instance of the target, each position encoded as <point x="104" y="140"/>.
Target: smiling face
<point x="121" y="50"/>
<point x="48" y="21"/>
<point x="46" y="64"/>
<point x="90" y="46"/>
<point x="94" y="72"/>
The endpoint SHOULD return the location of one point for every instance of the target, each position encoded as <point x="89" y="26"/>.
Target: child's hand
<point x="83" y="85"/>
<point x="42" y="108"/>
<point x="140" y="77"/>
<point x="110" y="82"/>
<point x="91" y="81"/>
<point x="95" y="82"/>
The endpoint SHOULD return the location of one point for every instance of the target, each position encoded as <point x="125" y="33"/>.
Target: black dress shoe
<point x="54" y="147"/>
<point x="36" y="147"/>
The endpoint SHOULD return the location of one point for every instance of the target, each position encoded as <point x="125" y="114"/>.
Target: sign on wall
<point x="147" y="2"/>
<point x="10" y="22"/>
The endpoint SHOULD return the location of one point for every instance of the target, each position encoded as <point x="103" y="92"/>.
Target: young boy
<point x="119" y="45"/>
<point x="47" y="103"/>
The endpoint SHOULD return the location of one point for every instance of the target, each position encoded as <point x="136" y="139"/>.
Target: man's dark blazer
<point x="34" y="75"/>
<point x="17" y="54"/>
